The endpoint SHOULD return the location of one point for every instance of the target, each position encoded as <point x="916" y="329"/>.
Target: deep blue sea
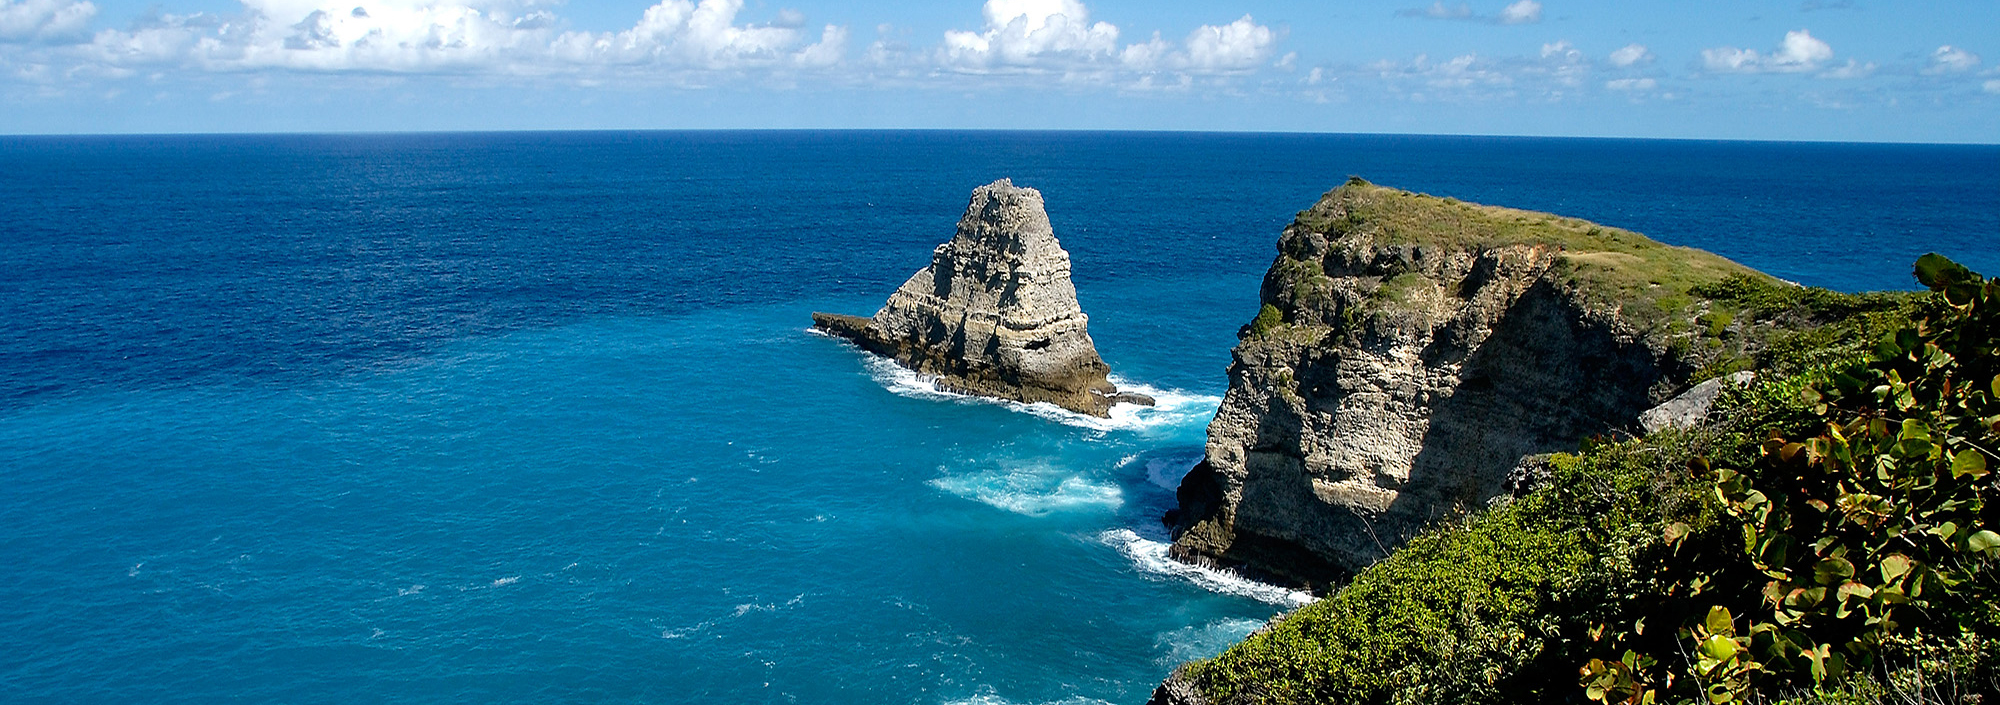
<point x="484" y="418"/>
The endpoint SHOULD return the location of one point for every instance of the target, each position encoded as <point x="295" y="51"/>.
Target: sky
<point x="1844" y="70"/>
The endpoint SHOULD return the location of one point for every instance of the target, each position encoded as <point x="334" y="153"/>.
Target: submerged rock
<point x="994" y="314"/>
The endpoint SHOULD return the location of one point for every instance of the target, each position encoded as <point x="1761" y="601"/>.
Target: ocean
<point x="536" y="417"/>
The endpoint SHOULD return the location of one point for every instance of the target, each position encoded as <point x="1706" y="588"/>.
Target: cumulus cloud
<point x="1631" y="85"/>
<point x="45" y="20"/>
<point x="1799" y="53"/>
<point x="471" y="36"/>
<point x="1951" y="59"/>
<point x="1519" y="12"/>
<point x="1027" y="32"/>
<point x="1992" y="86"/>
<point x="1235" y="46"/>
<point x="1057" y="35"/>
<point x="675" y="42"/>
<point x="1631" y="55"/>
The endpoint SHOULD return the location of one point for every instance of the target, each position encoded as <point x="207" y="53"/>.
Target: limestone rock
<point x="1691" y="407"/>
<point x="1411" y="351"/>
<point x="995" y="313"/>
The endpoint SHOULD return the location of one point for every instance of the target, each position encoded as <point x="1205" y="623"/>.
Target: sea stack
<point x="994" y="314"/>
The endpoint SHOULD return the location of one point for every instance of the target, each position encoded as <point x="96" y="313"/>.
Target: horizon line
<point x="1024" y="131"/>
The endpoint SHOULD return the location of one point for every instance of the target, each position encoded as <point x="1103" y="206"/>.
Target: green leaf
<point x="1895" y="566"/>
<point x="1969" y="462"/>
<point x="1983" y="542"/>
<point x="1914" y="429"/>
<point x="1937" y="271"/>
<point x="1720" y="622"/>
<point x="1718" y="647"/>
<point x="1776" y="551"/>
<point x="1833" y="571"/>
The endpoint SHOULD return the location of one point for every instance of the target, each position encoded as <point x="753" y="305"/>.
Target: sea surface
<point x="491" y="418"/>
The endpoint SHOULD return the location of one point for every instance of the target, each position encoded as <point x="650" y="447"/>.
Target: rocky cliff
<point x="995" y="313"/>
<point x="1410" y="351"/>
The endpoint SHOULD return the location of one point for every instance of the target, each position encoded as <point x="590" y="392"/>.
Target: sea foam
<point x="1172" y="408"/>
<point x="1151" y="556"/>
<point x="1033" y="488"/>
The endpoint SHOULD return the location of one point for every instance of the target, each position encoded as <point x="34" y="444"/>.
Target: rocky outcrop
<point x="1691" y="407"/>
<point x="1411" y="351"/>
<point x="995" y="313"/>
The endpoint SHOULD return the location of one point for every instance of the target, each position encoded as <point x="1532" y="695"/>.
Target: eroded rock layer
<point x="995" y="313"/>
<point x="1410" y="352"/>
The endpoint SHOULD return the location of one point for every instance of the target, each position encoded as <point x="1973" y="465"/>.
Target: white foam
<point x="742" y="609"/>
<point x="1167" y="470"/>
<point x="1151" y="556"/>
<point x="1172" y="408"/>
<point x="507" y="581"/>
<point x="1202" y="640"/>
<point x="1032" y="488"/>
<point x="989" y="698"/>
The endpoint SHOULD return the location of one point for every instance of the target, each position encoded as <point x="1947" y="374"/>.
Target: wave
<point x="742" y="609"/>
<point x="1172" y="408"/>
<point x="1202" y="641"/>
<point x="1151" y="556"/>
<point x="1033" y="488"/>
<point x="993" y="699"/>
<point x="1167" y="470"/>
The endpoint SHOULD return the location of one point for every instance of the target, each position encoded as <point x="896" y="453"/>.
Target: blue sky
<point x="1860" y="70"/>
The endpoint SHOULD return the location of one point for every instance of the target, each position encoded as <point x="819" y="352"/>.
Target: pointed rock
<point x="995" y="313"/>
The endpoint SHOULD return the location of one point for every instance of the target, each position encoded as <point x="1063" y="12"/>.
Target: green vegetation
<point x="1612" y="266"/>
<point x="1830" y="542"/>
<point x="1816" y="327"/>
<point x="1268" y="319"/>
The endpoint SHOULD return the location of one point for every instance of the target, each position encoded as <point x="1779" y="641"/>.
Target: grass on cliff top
<point x="1617" y="267"/>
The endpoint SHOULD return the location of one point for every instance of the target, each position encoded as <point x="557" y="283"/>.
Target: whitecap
<point x="1202" y="641"/>
<point x="1172" y="408"/>
<point x="1167" y="470"/>
<point x="989" y="698"/>
<point x="1151" y="556"/>
<point x="1033" y="489"/>
<point x="507" y="581"/>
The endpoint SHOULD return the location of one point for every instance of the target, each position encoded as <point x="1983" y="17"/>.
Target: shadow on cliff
<point x="1547" y="377"/>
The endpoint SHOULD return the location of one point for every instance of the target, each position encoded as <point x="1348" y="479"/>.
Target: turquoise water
<point x="511" y="418"/>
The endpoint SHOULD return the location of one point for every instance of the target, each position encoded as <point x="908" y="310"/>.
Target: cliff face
<point x="1410" y="352"/>
<point x="995" y="313"/>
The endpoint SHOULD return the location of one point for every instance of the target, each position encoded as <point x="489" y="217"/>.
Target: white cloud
<point x="1438" y="11"/>
<point x="1047" y="36"/>
<point x="1235" y="46"/>
<point x="1799" y="53"/>
<point x="1853" y="69"/>
<point x="1631" y="55"/>
<point x="1631" y="84"/>
<point x="1521" y="12"/>
<point x="45" y="20"/>
<point x="473" y="36"/>
<point x="1030" y="32"/>
<point x="1992" y="86"/>
<point x="675" y="42"/>
<point x="1951" y="59"/>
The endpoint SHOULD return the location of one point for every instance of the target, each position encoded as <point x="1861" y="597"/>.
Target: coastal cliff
<point x="995" y="313"/>
<point x="1411" y="351"/>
